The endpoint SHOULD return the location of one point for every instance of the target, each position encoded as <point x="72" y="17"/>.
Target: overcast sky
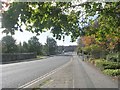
<point x="25" y="36"/>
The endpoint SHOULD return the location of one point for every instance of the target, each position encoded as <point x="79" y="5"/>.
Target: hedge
<point x="103" y="64"/>
<point x="112" y="72"/>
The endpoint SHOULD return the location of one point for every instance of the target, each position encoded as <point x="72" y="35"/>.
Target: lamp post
<point x="63" y="45"/>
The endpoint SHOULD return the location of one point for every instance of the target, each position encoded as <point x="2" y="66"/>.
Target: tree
<point x="9" y="44"/>
<point x="37" y="17"/>
<point x="20" y="48"/>
<point x="0" y="46"/>
<point x="45" y="49"/>
<point x="51" y="46"/>
<point x="34" y="45"/>
<point x="87" y="40"/>
<point x="107" y="34"/>
<point x="62" y="18"/>
<point x="25" y="47"/>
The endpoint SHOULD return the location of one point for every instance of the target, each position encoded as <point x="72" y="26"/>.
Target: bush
<point x="112" y="66"/>
<point x="112" y="72"/>
<point x="113" y="57"/>
<point x="95" y="50"/>
<point x="103" y="64"/>
<point x="100" y="63"/>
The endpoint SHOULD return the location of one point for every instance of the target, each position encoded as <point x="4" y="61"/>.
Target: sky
<point x="25" y="36"/>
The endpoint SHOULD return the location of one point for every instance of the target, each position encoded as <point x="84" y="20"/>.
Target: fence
<point x="8" y="57"/>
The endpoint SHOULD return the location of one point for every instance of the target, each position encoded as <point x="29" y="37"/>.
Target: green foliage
<point x="8" y="44"/>
<point x="113" y="57"/>
<point x="51" y="46"/>
<point x="10" y="18"/>
<point x="107" y="30"/>
<point x="45" y="50"/>
<point x="20" y="47"/>
<point x="103" y="64"/>
<point x="86" y="49"/>
<point x="108" y="67"/>
<point x="38" y="16"/>
<point x="112" y="72"/>
<point x="34" y="45"/>
<point x="25" y="47"/>
<point x="79" y="50"/>
<point x="62" y="19"/>
<point x="94" y="50"/>
<point x="45" y="15"/>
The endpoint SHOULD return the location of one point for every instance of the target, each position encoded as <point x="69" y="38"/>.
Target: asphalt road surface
<point x="17" y="74"/>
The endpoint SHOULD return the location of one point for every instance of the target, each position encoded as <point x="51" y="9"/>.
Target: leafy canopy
<point x="62" y="18"/>
<point x="8" y="44"/>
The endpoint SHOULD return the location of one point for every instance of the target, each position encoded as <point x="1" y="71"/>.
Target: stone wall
<point x="8" y="57"/>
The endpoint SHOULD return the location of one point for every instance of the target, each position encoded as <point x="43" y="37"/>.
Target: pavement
<point x="77" y="74"/>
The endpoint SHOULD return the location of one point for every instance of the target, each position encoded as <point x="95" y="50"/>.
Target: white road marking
<point x="44" y="76"/>
<point x="73" y="84"/>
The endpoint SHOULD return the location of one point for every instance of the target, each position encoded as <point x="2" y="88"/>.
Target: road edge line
<point x="44" y="76"/>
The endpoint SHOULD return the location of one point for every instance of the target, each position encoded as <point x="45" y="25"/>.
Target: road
<point x="75" y="74"/>
<point x="17" y="74"/>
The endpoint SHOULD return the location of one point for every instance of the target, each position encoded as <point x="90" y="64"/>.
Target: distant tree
<point x="45" y="50"/>
<point x="25" y="47"/>
<point x="9" y="44"/>
<point x="35" y="45"/>
<point x="51" y="46"/>
<point x="0" y="46"/>
<point x="20" y="47"/>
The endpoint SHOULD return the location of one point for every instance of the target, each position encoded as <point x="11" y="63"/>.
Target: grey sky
<point x="25" y="36"/>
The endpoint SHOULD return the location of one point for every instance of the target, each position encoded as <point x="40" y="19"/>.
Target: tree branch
<point x="73" y="6"/>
